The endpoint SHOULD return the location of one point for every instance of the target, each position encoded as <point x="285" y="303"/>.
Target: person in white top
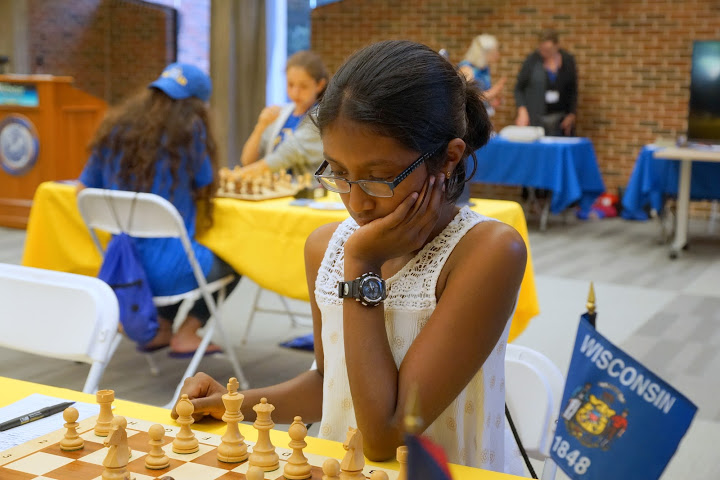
<point x="411" y="291"/>
<point x="284" y="137"/>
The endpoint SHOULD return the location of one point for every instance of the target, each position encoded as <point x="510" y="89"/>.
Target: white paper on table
<point x="25" y="433"/>
<point x="561" y="140"/>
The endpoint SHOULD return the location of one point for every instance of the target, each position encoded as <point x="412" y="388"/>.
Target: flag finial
<point x="414" y="424"/>
<point x="591" y="299"/>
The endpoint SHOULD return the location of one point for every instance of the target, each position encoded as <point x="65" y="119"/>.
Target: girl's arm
<point x="477" y="291"/>
<point x="300" y="396"/>
<point x="251" y="149"/>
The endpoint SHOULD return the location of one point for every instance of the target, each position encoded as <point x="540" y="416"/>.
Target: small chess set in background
<point x="236" y="184"/>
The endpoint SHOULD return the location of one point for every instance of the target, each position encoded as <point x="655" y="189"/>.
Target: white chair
<point x="59" y="315"/>
<point x="146" y="215"/>
<point x="533" y="392"/>
<point x="294" y="316"/>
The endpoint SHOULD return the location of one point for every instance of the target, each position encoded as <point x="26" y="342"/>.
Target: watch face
<point x="371" y="289"/>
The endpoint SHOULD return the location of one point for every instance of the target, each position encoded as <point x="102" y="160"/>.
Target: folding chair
<point x="155" y="217"/>
<point x="285" y="310"/>
<point x="59" y="315"/>
<point x="533" y="392"/>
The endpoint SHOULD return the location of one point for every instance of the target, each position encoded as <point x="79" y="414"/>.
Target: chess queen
<point x="412" y="289"/>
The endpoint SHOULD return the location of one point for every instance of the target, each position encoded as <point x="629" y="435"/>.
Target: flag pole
<point x="590" y="305"/>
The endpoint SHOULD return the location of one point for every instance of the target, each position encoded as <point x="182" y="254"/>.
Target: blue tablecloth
<point x="653" y="180"/>
<point x="565" y="165"/>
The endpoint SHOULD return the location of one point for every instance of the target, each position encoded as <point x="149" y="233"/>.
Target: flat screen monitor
<point x="704" y="114"/>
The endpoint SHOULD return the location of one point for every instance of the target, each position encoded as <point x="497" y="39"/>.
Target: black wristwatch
<point x="368" y="289"/>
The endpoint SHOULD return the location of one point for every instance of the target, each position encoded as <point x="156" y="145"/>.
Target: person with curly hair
<point x="159" y="141"/>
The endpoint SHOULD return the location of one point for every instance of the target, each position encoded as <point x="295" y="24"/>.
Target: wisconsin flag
<point x="426" y="460"/>
<point x="617" y="418"/>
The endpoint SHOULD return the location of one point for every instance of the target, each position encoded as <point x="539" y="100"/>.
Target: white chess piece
<point x="232" y="449"/>
<point x="297" y="466"/>
<point x="71" y="441"/>
<point x="185" y="441"/>
<point x="263" y="454"/>
<point x="156" y="458"/>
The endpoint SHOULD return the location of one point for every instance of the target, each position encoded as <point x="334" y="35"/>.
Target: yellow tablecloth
<point x="13" y="390"/>
<point x="262" y="240"/>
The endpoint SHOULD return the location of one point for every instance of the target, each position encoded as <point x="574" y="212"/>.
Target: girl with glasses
<point x="410" y="291"/>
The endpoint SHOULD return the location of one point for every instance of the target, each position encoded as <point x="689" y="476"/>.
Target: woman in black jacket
<point x="546" y="88"/>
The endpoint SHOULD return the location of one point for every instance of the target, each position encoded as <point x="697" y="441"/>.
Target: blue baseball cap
<point x="182" y="80"/>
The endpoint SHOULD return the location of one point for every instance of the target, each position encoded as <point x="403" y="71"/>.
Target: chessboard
<point x="236" y="184"/>
<point x="42" y="458"/>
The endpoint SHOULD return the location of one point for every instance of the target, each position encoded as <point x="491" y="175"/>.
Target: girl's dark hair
<point x="149" y="125"/>
<point x="312" y="63"/>
<point x="407" y="91"/>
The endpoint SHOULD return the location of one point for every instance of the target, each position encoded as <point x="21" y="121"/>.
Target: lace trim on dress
<point x="411" y="288"/>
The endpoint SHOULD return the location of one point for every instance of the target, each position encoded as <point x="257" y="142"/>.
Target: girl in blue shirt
<point x="158" y="141"/>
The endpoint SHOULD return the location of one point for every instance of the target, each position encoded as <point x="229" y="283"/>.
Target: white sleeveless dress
<point x="472" y="428"/>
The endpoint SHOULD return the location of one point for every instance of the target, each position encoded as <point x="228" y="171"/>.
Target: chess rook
<point x="402" y="458"/>
<point x="104" y="419"/>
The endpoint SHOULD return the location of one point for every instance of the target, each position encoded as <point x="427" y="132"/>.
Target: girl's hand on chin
<point x="404" y="230"/>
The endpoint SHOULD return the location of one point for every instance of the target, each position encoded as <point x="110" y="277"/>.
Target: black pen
<point x="37" y="415"/>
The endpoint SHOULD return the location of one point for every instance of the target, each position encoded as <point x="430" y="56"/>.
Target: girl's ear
<point x="455" y="151"/>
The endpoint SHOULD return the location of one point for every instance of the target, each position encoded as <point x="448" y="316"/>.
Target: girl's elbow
<point x="379" y="453"/>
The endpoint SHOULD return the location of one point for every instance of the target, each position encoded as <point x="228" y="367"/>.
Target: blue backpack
<point x="123" y="271"/>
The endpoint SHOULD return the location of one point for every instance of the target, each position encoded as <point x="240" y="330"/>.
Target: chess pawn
<point x="185" y="441"/>
<point x="263" y="454"/>
<point x="156" y="458"/>
<point x="255" y="473"/>
<point x="402" y="458"/>
<point x="232" y="449"/>
<point x="297" y="466"/>
<point x="71" y="441"/>
<point x="378" y="475"/>
<point x="331" y="469"/>
<point x="104" y="419"/>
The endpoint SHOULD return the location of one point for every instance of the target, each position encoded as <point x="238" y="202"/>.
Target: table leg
<point x="545" y="213"/>
<point x="683" y="207"/>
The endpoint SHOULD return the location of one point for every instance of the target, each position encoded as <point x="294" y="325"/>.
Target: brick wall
<point x="194" y="31"/>
<point x="111" y="47"/>
<point x="633" y="56"/>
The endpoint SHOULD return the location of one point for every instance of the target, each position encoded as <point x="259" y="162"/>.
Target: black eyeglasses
<point x="375" y="188"/>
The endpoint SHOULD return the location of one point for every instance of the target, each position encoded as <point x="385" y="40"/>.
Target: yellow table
<point x="262" y="240"/>
<point x="13" y="390"/>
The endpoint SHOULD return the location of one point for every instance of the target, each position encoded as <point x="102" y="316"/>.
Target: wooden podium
<point x="45" y="127"/>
